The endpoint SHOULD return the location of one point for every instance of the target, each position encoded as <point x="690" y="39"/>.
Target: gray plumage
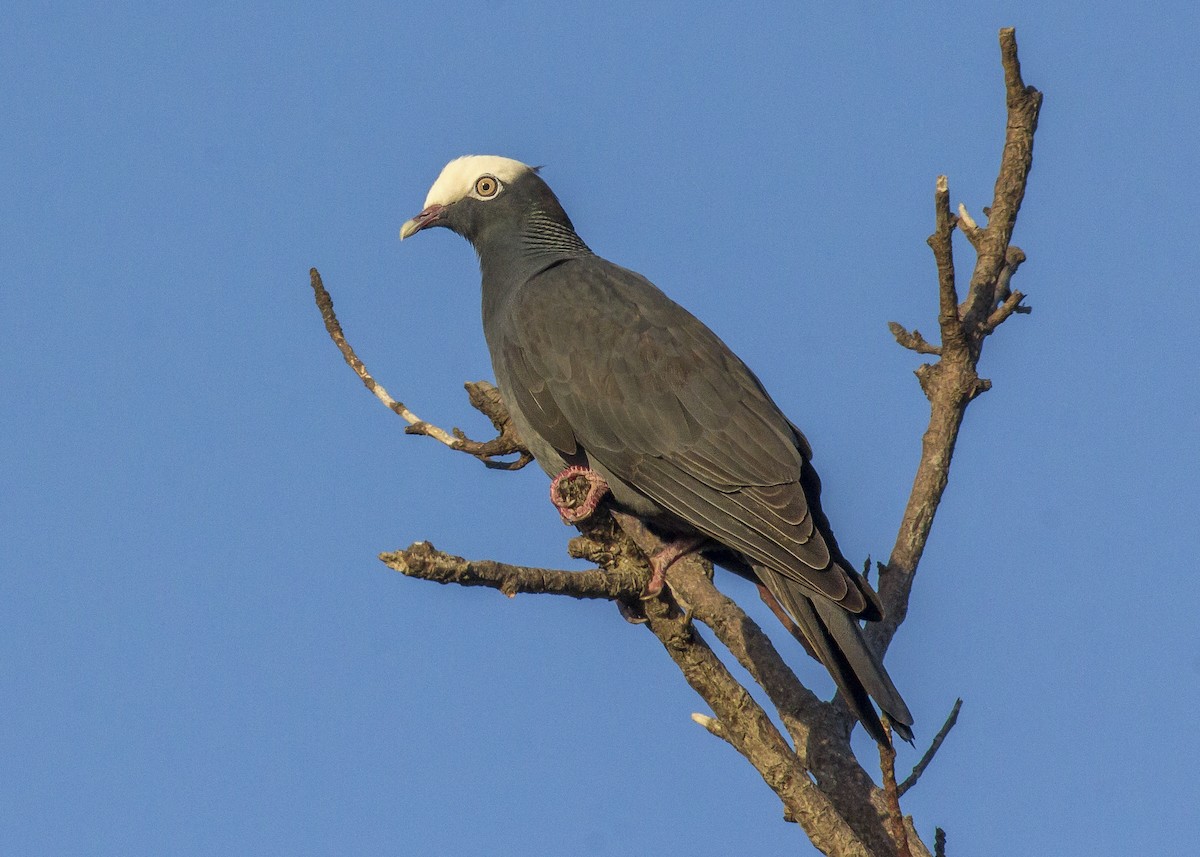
<point x="599" y="368"/>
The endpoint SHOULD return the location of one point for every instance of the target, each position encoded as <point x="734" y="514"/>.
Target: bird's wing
<point x="599" y="358"/>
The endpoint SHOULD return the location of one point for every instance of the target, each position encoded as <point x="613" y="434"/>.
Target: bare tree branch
<point x="912" y="341"/>
<point x="820" y="783"/>
<point x="953" y="382"/>
<point x="483" y="396"/>
<point x="422" y="560"/>
<point x="895" y="819"/>
<point x="911" y="779"/>
<point x="969" y="227"/>
<point x="743" y="723"/>
<point x="954" y="338"/>
<point x="712" y="724"/>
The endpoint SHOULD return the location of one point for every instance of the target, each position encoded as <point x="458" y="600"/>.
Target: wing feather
<point x="598" y="358"/>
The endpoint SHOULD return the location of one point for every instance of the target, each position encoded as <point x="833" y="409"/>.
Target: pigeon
<point x="608" y="379"/>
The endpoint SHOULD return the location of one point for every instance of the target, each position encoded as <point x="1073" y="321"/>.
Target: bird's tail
<point x="838" y="642"/>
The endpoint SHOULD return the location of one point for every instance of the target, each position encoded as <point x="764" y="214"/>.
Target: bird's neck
<point x="509" y="257"/>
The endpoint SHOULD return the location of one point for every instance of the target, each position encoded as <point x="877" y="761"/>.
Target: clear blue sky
<point x="199" y="652"/>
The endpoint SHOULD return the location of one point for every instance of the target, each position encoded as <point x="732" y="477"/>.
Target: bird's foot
<point x="632" y="612"/>
<point x="566" y="497"/>
<point x="663" y="559"/>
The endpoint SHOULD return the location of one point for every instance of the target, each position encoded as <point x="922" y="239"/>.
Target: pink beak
<point x="429" y="217"/>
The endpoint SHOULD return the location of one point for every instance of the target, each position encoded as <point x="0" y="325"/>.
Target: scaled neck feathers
<point x="544" y="234"/>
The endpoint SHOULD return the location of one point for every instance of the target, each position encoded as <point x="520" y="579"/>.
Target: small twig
<point x="1013" y="258"/>
<point x="505" y="444"/>
<point x="913" y="341"/>
<point x="712" y="724"/>
<point x="486" y="399"/>
<point x="911" y="779"/>
<point x="1023" y="106"/>
<point x="1011" y="304"/>
<point x="968" y="226"/>
<point x="895" y="820"/>
<point x="334" y="328"/>
<point x="954" y="341"/>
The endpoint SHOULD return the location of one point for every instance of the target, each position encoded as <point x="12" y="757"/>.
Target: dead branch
<point x="482" y="395"/>
<point x="820" y="783"/>
<point x="712" y="724"/>
<point x="422" y="560"/>
<point x="913" y="341"/>
<point x="895" y="818"/>
<point x="911" y="779"/>
<point x="740" y="720"/>
<point x="952" y="382"/>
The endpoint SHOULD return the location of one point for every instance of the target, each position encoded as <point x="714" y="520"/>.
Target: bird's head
<point x="472" y="190"/>
<point x="502" y="207"/>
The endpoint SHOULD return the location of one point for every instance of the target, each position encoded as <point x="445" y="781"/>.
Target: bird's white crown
<point x="458" y="177"/>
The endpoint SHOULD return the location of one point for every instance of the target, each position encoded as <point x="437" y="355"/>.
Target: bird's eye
<point x="486" y="186"/>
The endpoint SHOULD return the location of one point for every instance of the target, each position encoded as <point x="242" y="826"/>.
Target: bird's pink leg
<point x="664" y="558"/>
<point x="573" y="512"/>
<point x="661" y="554"/>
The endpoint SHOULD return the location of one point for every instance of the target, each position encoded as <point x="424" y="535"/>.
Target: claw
<point x="632" y="613"/>
<point x="658" y="577"/>
<point x="573" y="511"/>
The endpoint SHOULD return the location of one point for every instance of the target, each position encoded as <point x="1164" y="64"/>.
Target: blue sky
<point x="200" y="652"/>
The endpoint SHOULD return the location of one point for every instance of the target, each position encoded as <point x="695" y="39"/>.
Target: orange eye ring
<point x="487" y="186"/>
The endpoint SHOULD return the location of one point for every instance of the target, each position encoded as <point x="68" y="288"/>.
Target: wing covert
<point x="605" y="360"/>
